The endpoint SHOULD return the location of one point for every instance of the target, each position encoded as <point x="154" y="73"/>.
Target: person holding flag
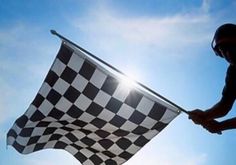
<point x="224" y="45"/>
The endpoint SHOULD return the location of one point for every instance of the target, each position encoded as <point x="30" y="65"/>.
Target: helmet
<point x="222" y="34"/>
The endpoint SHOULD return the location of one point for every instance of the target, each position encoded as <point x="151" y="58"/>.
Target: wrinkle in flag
<point x="85" y="109"/>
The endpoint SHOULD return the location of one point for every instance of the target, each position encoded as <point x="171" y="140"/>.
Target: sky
<point x="162" y="44"/>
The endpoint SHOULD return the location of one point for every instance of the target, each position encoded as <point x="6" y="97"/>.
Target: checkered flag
<point x="85" y="109"/>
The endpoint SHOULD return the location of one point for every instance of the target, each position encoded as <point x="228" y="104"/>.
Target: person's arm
<point x="220" y="109"/>
<point x="228" y="124"/>
<point x="206" y="118"/>
<point x="214" y="126"/>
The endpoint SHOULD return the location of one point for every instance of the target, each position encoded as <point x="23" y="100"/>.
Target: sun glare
<point x="128" y="82"/>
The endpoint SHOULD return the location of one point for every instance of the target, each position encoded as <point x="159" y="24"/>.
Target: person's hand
<point x="197" y="116"/>
<point x="212" y="126"/>
<point x="200" y="117"/>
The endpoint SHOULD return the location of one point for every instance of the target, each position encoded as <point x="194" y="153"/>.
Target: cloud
<point x="25" y="58"/>
<point x="128" y="42"/>
<point x="164" y="155"/>
<point x="50" y="157"/>
<point x="1" y="109"/>
<point x="168" y="155"/>
<point x="169" y="32"/>
<point x="6" y="101"/>
<point x="206" y="5"/>
<point x="22" y="47"/>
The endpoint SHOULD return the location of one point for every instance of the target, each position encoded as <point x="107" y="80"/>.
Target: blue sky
<point x="163" y="44"/>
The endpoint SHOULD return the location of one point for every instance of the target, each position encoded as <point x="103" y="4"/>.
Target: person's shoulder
<point x="231" y="72"/>
<point x="231" y="69"/>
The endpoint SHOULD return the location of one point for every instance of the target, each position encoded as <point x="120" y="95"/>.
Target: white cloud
<point x="23" y="47"/>
<point x="206" y="4"/>
<point x="177" y="31"/>
<point x="167" y="155"/>
<point x="24" y="61"/>
<point x="1" y="109"/>
<point x="6" y="95"/>
<point x="50" y="157"/>
<point x="164" y="155"/>
<point x="145" y="41"/>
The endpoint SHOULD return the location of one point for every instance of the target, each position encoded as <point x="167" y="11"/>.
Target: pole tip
<point x="53" y="32"/>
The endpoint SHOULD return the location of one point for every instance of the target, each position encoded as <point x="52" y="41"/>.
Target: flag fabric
<point x="83" y="108"/>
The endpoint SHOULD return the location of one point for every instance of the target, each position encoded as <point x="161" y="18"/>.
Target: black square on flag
<point x="53" y="96"/>
<point x="157" y="111"/>
<point x="113" y="105"/>
<point x="90" y="91"/>
<point x="56" y="114"/>
<point x="64" y="54"/>
<point x="110" y="85"/>
<point x="133" y="98"/>
<point x="87" y="70"/>
<point x="72" y="94"/>
<point x="68" y="75"/>
<point x="117" y="121"/>
<point x="137" y="117"/>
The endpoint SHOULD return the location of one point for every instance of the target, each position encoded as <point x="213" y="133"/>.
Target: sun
<point x="129" y="81"/>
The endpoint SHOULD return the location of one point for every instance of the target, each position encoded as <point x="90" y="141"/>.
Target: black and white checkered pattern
<point x="86" y="110"/>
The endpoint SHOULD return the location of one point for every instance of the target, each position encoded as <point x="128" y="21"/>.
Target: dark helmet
<point x="225" y="31"/>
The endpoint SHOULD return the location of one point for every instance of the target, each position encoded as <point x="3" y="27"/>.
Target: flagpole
<point x="107" y="64"/>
